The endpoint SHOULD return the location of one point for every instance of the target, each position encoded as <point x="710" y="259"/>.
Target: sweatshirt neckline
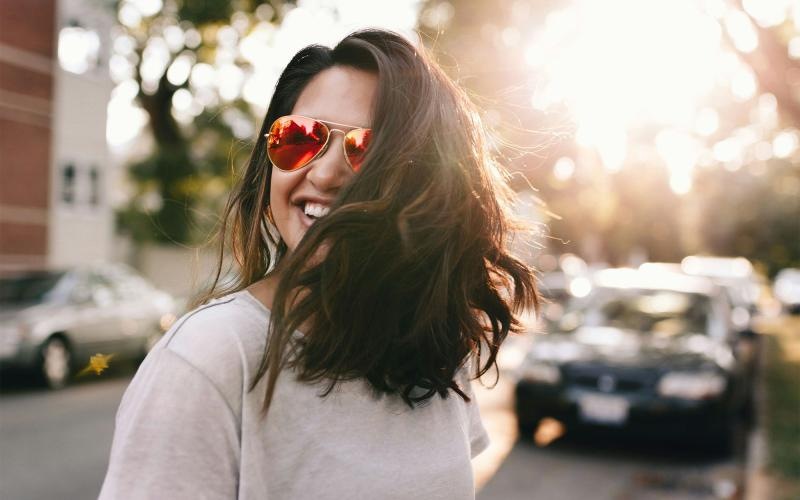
<point x="253" y="300"/>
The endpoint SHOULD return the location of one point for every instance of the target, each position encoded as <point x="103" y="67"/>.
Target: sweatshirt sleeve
<point x="478" y="437"/>
<point x="176" y="435"/>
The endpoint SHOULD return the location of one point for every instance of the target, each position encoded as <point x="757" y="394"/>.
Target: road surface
<point x="54" y="445"/>
<point x="577" y="467"/>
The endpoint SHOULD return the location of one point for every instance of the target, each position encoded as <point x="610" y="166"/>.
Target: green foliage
<point x="632" y="210"/>
<point x="201" y="12"/>
<point x="180" y="188"/>
<point x="782" y="371"/>
<point x="753" y="215"/>
<point x="181" y="191"/>
<point x="205" y="11"/>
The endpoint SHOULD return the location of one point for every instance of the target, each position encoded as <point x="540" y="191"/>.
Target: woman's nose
<point x="329" y="171"/>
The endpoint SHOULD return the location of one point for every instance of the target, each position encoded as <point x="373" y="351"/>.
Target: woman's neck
<point x="264" y="289"/>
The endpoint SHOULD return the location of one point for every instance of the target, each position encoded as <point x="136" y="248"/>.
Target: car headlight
<point x="537" y="371"/>
<point x="688" y="385"/>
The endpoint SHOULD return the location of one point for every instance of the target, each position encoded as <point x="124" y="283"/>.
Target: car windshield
<point x="661" y="312"/>
<point x="28" y="288"/>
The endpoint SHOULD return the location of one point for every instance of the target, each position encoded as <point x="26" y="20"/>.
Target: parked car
<point x="53" y="321"/>
<point x="647" y="352"/>
<point x="744" y="285"/>
<point x="787" y="289"/>
<point x="557" y="287"/>
<point x="735" y="276"/>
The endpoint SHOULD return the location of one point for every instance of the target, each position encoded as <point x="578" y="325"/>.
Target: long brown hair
<point x="416" y="275"/>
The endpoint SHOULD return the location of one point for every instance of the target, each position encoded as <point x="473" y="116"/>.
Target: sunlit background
<point x="242" y="60"/>
<point x="676" y="119"/>
<point x="638" y="133"/>
<point x="623" y="65"/>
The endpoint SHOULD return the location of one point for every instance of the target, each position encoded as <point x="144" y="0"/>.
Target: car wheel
<point x="55" y="363"/>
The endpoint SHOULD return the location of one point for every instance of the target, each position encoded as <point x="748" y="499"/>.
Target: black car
<point x="654" y="353"/>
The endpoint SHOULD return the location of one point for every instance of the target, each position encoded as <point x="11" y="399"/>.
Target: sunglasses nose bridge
<point x="329" y="141"/>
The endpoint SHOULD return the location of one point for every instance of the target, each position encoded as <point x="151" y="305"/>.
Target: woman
<point x="370" y="231"/>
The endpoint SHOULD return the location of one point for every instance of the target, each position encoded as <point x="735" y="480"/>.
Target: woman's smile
<point x="298" y="198"/>
<point x="312" y="210"/>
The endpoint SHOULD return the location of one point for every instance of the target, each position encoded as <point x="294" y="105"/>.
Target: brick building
<point x="27" y="68"/>
<point x="54" y="162"/>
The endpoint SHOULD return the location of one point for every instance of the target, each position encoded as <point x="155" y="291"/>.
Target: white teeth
<point x="316" y="210"/>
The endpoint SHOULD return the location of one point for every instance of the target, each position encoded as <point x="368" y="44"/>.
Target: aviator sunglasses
<point x="294" y="141"/>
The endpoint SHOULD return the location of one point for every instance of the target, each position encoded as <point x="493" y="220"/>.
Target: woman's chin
<point x="298" y="226"/>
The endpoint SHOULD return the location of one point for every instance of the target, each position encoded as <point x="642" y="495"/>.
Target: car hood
<point x="619" y="347"/>
<point x="25" y="313"/>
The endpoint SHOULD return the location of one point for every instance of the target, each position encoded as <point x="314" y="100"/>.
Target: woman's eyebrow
<point x="329" y="122"/>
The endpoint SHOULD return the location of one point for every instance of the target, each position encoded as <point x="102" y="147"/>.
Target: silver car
<point x="54" y="321"/>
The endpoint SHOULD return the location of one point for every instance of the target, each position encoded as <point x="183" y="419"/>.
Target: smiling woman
<point x="299" y="195"/>
<point x="371" y="229"/>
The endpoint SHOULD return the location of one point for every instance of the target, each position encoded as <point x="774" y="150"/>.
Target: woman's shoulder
<point x="222" y="338"/>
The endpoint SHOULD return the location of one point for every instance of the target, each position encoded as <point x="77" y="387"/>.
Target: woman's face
<point x="339" y="94"/>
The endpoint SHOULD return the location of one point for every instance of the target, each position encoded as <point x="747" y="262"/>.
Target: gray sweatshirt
<point x="188" y="428"/>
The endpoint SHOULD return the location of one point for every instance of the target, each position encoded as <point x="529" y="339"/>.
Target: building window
<point x="94" y="186"/>
<point x="68" y="184"/>
<point x="78" y="49"/>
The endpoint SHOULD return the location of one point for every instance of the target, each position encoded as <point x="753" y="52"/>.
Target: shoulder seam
<point x="189" y="363"/>
<point x="188" y="316"/>
<point x="208" y="379"/>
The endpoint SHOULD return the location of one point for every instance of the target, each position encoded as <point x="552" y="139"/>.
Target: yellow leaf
<point x="97" y="363"/>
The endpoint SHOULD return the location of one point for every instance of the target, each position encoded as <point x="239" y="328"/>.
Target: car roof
<point x="29" y="272"/>
<point x="101" y="267"/>
<point x="717" y="267"/>
<point x="653" y="279"/>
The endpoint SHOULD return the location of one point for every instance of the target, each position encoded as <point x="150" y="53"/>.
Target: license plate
<point x="603" y="409"/>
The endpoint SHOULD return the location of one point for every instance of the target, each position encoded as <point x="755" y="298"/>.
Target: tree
<point x="203" y="71"/>
<point x="166" y="52"/>
<point x="727" y="181"/>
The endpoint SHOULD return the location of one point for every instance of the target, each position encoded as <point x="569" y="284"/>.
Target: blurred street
<point x="584" y="467"/>
<point x="56" y="444"/>
<point x="65" y="437"/>
<point x="656" y="183"/>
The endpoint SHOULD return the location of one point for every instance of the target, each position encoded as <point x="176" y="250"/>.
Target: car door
<point x="738" y="369"/>
<point x="134" y="305"/>
<point x="97" y="324"/>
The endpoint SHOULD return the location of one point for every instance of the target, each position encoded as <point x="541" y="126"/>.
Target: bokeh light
<point x="613" y="87"/>
<point x="78" y="49"/>
<point x="247" y="55"/>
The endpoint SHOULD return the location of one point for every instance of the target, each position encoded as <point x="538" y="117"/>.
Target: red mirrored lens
<point x="294" y="141"/>
<point x="356" y="143"/>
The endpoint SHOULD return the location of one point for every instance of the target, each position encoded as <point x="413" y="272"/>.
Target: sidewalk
<point x="771" y="473"/>
<point x="756" y="482"/>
